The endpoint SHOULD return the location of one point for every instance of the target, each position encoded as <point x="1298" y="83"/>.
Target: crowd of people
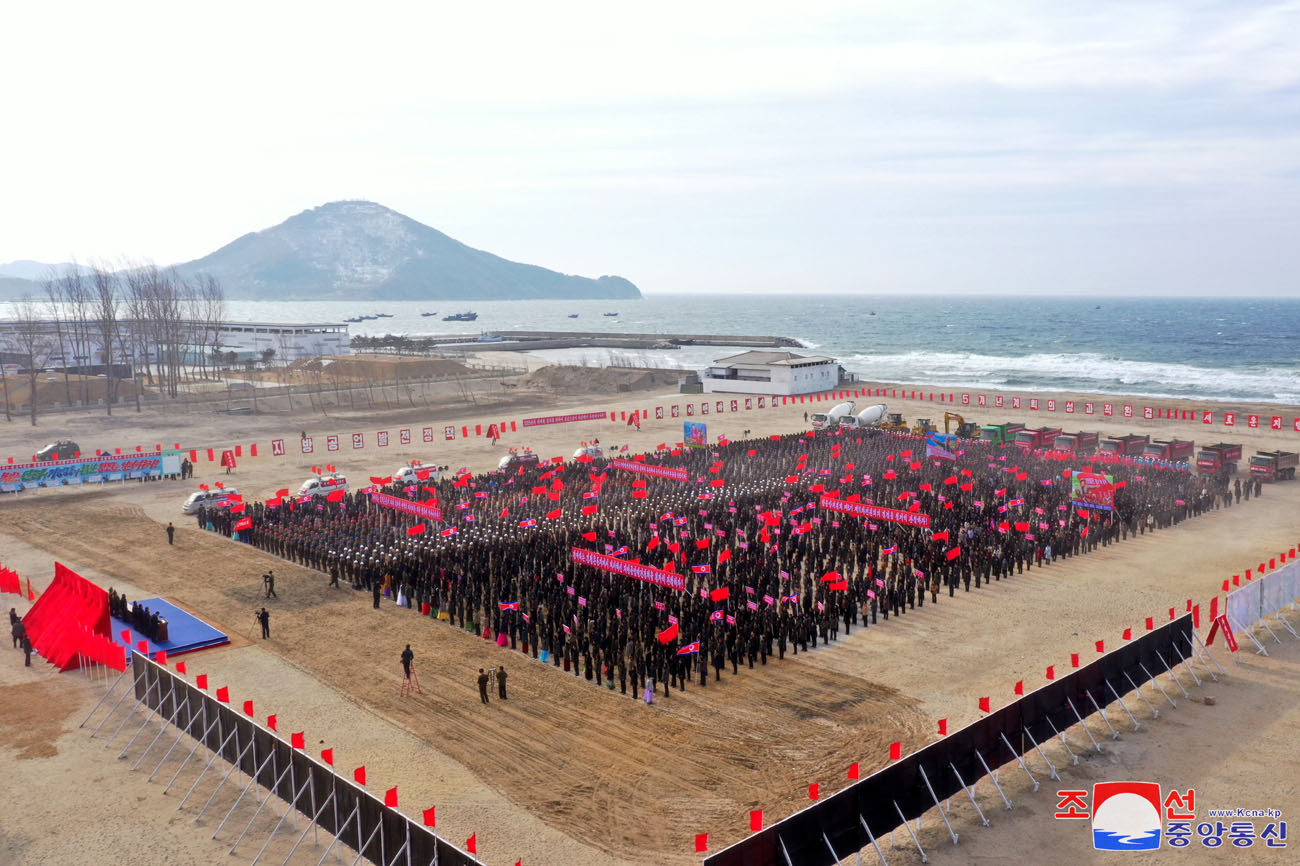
<point x="766" y="570"/>
<point x="139" y="617"/>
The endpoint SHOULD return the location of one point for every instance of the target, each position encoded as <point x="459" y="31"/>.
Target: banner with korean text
<point x="636" y="570"/>
<point x="657" y="471"/>
<point x="428" y="512"/>
<point x="875" y="512"/>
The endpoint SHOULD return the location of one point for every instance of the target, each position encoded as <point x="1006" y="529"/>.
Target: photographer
<point x="264" y="618"/>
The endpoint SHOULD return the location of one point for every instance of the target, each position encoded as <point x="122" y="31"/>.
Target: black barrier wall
<point x="834" y="828"/>
<point x="339" y="806"/>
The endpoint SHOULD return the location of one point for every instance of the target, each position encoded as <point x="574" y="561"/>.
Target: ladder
<point x="411" y="684"/>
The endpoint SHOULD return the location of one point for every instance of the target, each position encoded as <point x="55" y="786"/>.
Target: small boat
<point x="609" y="314"/>
<point x="460" y="317"/>
<point x="489" y="337"/>
<point x="353" y="319"/>
<point x="383" y="315"/>
<point x="573" y="315"/>
<point x="427" y="315"/>
<point x="873" y="312"/>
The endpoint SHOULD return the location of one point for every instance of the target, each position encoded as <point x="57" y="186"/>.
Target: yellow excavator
<point x="965" y="429"/>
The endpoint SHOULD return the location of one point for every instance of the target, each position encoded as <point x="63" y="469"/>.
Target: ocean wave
<point x="1087" y="372"/>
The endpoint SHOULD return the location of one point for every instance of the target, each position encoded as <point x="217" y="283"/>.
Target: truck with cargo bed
<point x="1274" y="465"/>
<point x="1124" y="446"/>
<point x="1220" y="458"/>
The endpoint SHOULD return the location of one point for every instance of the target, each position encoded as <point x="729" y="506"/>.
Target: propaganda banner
<point x="544" y="420"/>
<point x="875" y="512"/>
<point x="1092" y="490"/>
<point x="657" y="471"/>
<point x="428" y="512"/>
<point x="87" y="470"/>
<point x="635" y="570"/>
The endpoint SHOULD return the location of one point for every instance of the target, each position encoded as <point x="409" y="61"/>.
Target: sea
<point x="1226" y="349"/>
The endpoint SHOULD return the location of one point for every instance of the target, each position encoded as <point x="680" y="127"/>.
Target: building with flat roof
<point x="774" y="373"/>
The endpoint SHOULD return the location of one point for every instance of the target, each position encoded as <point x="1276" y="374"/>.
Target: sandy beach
<point x="569" y="773"/>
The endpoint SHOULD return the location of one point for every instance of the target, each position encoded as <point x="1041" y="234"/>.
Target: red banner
<point x="396" y="503"/>
<point x="875" y="512"/>
<point x="564" y="419"/>
<point x="657" y="471"/>
<point x="635" y="570"/>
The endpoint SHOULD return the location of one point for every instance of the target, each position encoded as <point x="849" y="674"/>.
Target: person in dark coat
<point x="501" y="682"/>
<point x="27" y="650"/>
<point x="482" y="685"/>
<point x="407" y="658"/>
<point x="171" y="533"/>
<point x="264" y="618"/>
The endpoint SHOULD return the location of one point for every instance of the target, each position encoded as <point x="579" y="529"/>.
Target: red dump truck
<point x="1170" y="449"/>
<point x="1124" y="446"/>
<point x="1077" y="443"/>
<point x="1217" y="459"/>
<point x="1274" y="465"/>
<point x="1039" y="437"/>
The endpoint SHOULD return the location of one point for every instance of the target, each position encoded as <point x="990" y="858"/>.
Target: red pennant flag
<point x="553" y="515"/>
<point x="895" y="751"/>
<point x="201" y="681"/>
<point x="1214" y="608"/>
<point x="721" y="594"/>
<point x="667" y="634"/>
<point x="360" y="775"/>
<point x="1101" y="646"/>
<point x="126" y="636"/>
<point x="1074" y="660"/>
<point x="1225" y="586"/>
<point x="724" y="556"/>
<point x="589" y="536"/>
<point x="327" y="755"/>
<point x="417" y="529"/>
<point x="1151" y="623"/>
<point x="180" y="667"/>
<point x="812" y="791"/>
<point x="390" y="798"/>
<point x="270" y="723"/>
<point x="755" y="820"/>
<point x="853" y="770"/>
<point x="223" y="695"/>
<point x="943" y="727"/>
<point x="984" y="705"/>
<point x="248" y="708"/>
<point x="1051" y="672"/>
<point x="1128" y="634"/>
<point x="143" y="646"/>
<point x="471" y="844"/>
<point x="588" y="510"/>
<point x="954" y="553"/>
<point x="161" y="657"/>
<point x="1171" y="614"/>
<point x="1020" y="687"/>
<point x="1196" y="616"/>
<point x="298" y="740"/>
<point x="431" y="816"/>
<point x="701" y="842"/>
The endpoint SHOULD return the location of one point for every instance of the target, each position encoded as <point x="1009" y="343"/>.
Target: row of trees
<point x="94" y="319"/>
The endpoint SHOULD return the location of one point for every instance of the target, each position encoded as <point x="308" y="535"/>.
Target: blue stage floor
<point x="185" y="632"/>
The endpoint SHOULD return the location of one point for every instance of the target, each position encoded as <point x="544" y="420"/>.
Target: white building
<point x="776" y="373"/>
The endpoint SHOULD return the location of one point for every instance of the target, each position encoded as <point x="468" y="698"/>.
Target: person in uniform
<point x="407" y="658"/>
<point x="501" y="682"/>
<point x="482" y="685"/>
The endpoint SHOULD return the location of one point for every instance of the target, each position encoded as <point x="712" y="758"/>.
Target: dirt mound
<point x="560" y="379"/>
<point x="380" y="368"/>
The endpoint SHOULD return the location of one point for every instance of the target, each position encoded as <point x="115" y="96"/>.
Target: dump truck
<point x="831" y="419"/>
<point x="1170" y="449"/>
<point x="997" y="434"/>
<point x="965" y="429"/>
<point x="1274" y="465"/>
<point x="868" y="417"/>
<point x="1039" y="437"/>
<point x="1077" y="443"/>
<point x="1218" y="459"/>
<point x="1125" y="446"/>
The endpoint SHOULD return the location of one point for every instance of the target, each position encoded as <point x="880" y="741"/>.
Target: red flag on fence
<point x="853" y="770"/>
<point x="327" y="755"/>
<point x="270" y="723"/>
<point x="298" y="740"/>
<point x="1128" y="634"/>
<point x="1151" y="623"/>
<point x="943" y="727"/>
<point x="180" y="667"/>
<point x="390" y="798"/>
<point x="895" y="751"/>
<point x="812" y="791"/>
<point x="701" y="842"/>
<point x="1074" y="660"/>
<point x="1051" y="672"/>
<point x="161" y="657"/>
<point x="984" y="705"/>
<point x="431" y="816"/>
<point x="755" y="820"/>
<point x="201" y="681"/>
<point x="248" y="708"/>
<point x="360" y="775"/>
<point x="1020" y="687"/>
<point x="471" y="844"/>
<point x="223" y="695"/>
<point x="1101" y="646"/>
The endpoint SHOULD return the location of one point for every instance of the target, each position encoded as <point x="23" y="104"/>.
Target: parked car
<point x="202" y="498"/>
<point x="323" y="485"/>
<point x="64" y="449"/>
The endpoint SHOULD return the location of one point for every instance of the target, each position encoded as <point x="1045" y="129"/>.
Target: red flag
<point x="589" y="509"/>
<point x="943" y="727"/>
<point x="940" y="536"/>
<point x="143" y="646"/>
<point x="724" y="556"/>
<point x="755" y="820"/>
<point x="247" y="523"/>
<point x="180" y="667"/>
<point x="327" y="755"/>
<point x="126" y="633"/>
<point x="1196" y="616"/>
<point x="589" y="536"/>
<point x="721" y="594"/>
<point x="667" y="634"/>
<point x="471" y="844"/>
<point x="701" y="543"/>
<point x="1150" y="623"/>
<point x="1020" y="687"/>
<point x="1101" y="646"/>
<point x="270" y="723"/>
<point x="895" y="751"/>
<point x="1128" y="634"/>
<point x="360" y="775"/>
<point x="812" y="791"/>
<point x="1074" y="660"/>
<point x="853" y="770"/>
<point x="390" y="798"/>
<point x="984" y="705"/>
<point x="701" y="842"/>
<point x="417" y="529"/>
<point x="201" y="681"/>
<point x="223" y="695"/>
<point x="298" y="740"/>
<point x="431" y="816"/>
<point x="248" y="708"/>
<point x="161" y="657"/>
<point x="954" y="553"/>
<point x="1051" y="672"/>
<point x="553" y="515"/>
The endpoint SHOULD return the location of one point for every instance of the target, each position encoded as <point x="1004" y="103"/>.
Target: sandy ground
<point x="568" y="773"/>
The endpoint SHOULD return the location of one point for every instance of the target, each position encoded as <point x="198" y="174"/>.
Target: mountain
<point x="26" y="269"/>
<point x="359" y="249"/>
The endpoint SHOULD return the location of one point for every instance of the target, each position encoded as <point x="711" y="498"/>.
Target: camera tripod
<point x="411" y="683"/>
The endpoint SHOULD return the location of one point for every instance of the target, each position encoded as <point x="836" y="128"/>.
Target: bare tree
<point x="104" y="304"/>
<point x="34" y="339"/>
<point x="54" y="294"/>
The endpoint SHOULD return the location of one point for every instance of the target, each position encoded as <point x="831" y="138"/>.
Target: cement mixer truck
<point x="868" y="417"/>
<point x="831" y="419"/>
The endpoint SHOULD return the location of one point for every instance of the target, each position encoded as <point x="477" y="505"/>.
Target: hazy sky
<point x="1135" y="147"/>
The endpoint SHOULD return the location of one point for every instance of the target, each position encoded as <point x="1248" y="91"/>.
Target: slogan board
<point x="428" y="512"/>
<point x="657" y="471"/>
<point x="564" y="419"/>
<point x="636" y="570"/>
<point x="88" y="470"/>
<point x="875" y="512"/>
<point x="1092" y="490"/>
<point x="695" y="434"/>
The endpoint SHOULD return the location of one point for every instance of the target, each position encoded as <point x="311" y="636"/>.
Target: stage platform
<point x="185" y="632"/>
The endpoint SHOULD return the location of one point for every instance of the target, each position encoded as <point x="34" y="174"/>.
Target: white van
<point x="323" y="485"/>
<point x="200" y="498"/>
<point x="593" y="451"/>
<point x="408" y="475"/>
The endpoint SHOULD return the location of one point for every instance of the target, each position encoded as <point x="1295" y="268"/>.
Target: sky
<point x="1136" y="147"/>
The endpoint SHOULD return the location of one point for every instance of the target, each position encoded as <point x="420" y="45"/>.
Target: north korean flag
<point x="680" y="521"/>
<point x="508" y="605"/>
<point x="1014" y="502"/>
<point x="892" y="549"/>
<point x="702" y="569"/>
<point x="527" y="523"/>
<point x="622" y="551"/>
<point x="448" y="532"/>
<point x="591" y="494"/>
<point x="716" y="616"/>
<point x="480" y="494"/>
<point x="692" y="647"/>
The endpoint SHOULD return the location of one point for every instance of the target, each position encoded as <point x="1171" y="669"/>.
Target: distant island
<point x="360" y="249"/>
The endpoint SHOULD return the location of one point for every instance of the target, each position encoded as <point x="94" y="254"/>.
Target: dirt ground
<point x="565" y="772"/>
